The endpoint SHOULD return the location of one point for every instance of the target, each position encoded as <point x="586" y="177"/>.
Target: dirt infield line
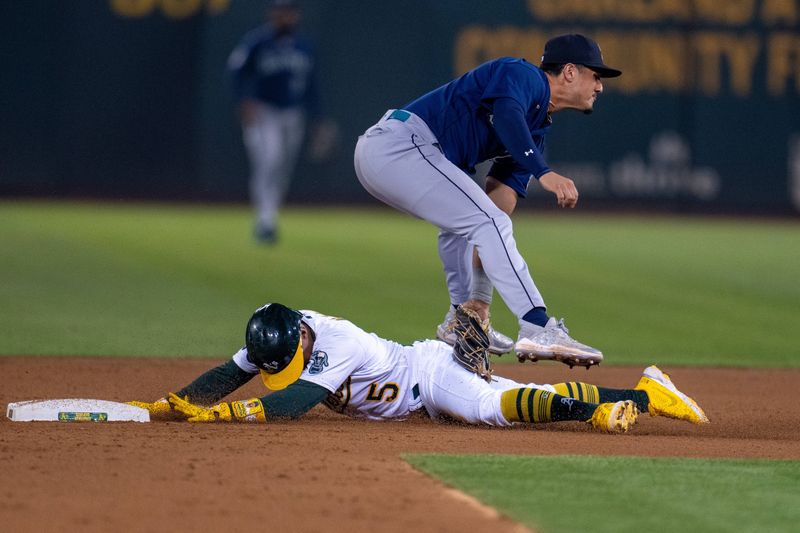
<point x="324" y="472"/>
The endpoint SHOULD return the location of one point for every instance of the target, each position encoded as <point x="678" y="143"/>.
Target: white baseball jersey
<point x="367" y="376"/>
<point x="375" y="378"/>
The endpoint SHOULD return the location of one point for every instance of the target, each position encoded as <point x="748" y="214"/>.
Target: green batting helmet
<point x="273" y="345"/>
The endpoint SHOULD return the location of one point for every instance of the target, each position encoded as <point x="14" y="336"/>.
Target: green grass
<point x="618" y="494"/>
<point x="131" y="279"/>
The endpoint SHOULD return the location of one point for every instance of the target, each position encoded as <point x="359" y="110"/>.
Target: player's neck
<point x="554" y="105"/>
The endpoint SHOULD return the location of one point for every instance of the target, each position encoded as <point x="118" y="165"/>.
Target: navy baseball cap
<point x="577" y="49"/>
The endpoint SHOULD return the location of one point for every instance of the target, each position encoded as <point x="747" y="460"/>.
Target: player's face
<point x="588" y="87"/>
<point x="307" y="342"/>
<point x="285" y="19"/>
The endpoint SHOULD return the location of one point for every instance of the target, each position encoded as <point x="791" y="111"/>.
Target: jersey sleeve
<point x="216" y="383"/>
<point x="293" y="401"/>
<point x="512" y="130"/>
<point x="333" y="361"/>
<point x="515" y="80"/>
<point x="240" y="358"/>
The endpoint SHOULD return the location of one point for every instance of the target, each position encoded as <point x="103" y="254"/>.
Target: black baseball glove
<point x="471" y="349"/>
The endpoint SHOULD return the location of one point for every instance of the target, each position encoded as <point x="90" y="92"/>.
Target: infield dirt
<point x="324" y="472"/>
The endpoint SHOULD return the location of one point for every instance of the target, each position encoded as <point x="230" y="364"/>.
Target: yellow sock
<point x="527" y="405"/>
<point x="579" y="391"/>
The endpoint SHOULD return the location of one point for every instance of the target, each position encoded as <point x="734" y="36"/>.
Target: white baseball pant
<point x="447" y="388"/>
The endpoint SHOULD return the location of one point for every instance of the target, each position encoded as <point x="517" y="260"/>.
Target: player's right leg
<point x="446" y="388"/>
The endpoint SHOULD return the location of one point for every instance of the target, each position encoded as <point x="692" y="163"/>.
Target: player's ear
<point x="570" y="72"/>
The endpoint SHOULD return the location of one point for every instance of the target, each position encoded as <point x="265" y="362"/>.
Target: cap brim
<point x="605" y="71"/>
<point x="288" y="375"/>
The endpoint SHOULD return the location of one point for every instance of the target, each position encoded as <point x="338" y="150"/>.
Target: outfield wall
<point x="129" y="99"/>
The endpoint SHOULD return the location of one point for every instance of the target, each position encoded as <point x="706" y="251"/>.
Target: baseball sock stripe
<point x="539" y="405"/>
<point x="511" y="406"/>
<point x="592" y="396"/>
<point x="544" y="402"/>
<point x="563" y="389"/>
<point x="528" y="403"/>
<point x="532" y="405"/>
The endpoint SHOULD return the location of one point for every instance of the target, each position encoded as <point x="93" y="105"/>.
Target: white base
<point x="75" y="410"/>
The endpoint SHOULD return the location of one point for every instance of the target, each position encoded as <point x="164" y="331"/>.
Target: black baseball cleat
<point x="266" y="235"/>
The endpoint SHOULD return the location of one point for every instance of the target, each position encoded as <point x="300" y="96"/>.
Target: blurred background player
<point x="273" y="71"/>
<point x="308" y="358"/>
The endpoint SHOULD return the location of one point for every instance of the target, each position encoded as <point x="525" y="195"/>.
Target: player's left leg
<point x="465" y="282"/>
<point x="655" y="393"/>
<point x="453" y="250"/>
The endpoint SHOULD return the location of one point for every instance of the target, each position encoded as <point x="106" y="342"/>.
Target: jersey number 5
<point x="375" y="394"/>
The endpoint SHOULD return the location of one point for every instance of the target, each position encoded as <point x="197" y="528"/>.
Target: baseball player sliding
<point x="417" y="159"/>
<point x="308" y="358"/>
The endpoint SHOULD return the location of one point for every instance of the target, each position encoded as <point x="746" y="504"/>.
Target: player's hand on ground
<point x="196" y="413"/>
<point x="159" y="409"/>
<point x="563" y="187"/>
<point x="251" y="410"/>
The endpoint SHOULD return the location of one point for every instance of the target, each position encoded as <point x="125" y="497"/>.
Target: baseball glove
<point x="471" y="349"/>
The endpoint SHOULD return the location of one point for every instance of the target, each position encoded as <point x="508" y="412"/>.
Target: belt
<point x="400" y="114"/>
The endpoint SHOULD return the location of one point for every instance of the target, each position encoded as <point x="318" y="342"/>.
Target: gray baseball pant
<point x="400" y="163"/>
<point x="273" y="144"/>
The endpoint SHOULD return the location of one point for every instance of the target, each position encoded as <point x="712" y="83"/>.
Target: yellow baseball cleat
<point x="666" y="399"/>
<point x="615" y="417"/>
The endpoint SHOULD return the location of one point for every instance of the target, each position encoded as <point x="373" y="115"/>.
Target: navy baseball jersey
<point x="275" y="69"/>
<point x="465" y="116"/>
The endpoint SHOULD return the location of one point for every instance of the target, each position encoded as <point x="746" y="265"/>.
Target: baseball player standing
<point x="308" y="358"/>
<point x="417" y="159"/>
<point x="273" y="82"/>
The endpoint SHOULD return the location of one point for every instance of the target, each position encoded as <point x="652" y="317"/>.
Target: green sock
<point x="639" y="397"/>
<point x="586" y="392"/>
